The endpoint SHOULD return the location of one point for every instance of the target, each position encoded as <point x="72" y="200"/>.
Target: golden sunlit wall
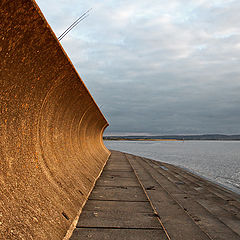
<point x="51" y="148"/>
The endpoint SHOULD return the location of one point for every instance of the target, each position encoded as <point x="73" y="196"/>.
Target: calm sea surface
<point x="218" y="161"/>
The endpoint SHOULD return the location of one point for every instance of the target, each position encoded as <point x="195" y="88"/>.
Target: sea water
<point x="218" y="161"/>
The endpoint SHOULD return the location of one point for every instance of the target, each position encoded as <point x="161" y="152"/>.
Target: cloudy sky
<point x="156" y="66"/>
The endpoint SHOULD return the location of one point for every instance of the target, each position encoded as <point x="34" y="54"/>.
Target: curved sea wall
<point x="51" y="148"/>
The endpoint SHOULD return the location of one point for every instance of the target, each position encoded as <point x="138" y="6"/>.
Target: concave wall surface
<point x="51" y="148"/>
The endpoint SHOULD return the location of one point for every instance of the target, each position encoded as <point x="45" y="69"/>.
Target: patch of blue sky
<point x="225" y="35"/>
<point x="201" y="47"/>
<point x="221" y="3"/>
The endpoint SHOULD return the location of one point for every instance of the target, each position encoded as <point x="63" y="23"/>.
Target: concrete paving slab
<point x="122" y="174"/>
<point x="114" y="234"/>
<point x="117" y="206"/>
<point x="118" y="194"/>
<point x="118" y="167"/>
<point x="118" y="181"/>
<point x="121" y="220"/>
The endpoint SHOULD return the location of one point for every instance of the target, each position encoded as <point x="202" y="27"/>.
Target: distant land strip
<point x="213" y="137"/>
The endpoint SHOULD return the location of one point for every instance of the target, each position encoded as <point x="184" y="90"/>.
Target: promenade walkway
<point x="138" y="198"/>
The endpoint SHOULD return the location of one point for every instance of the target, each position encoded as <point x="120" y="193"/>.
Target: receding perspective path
<point x="139" y="198"/>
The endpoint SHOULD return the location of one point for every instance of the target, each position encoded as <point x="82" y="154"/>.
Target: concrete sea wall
<point x="51" y="148"/>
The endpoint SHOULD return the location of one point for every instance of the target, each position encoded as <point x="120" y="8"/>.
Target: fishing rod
<point x="74" y="24"/>
<point x="63" y="35"/>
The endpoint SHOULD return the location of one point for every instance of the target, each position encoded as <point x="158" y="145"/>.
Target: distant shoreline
<point x="173" y="140"/>
<point x="147" y="139"/>
<point x="206" y="137"/>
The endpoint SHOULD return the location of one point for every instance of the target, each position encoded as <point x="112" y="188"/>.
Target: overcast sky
<point x="156" y="66"/>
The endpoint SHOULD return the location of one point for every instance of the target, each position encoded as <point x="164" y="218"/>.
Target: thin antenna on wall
<point x="74" y="24"/>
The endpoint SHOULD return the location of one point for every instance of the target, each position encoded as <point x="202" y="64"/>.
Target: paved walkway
<point x="138" y="198"/>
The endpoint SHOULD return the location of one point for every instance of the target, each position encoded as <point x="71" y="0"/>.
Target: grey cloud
<point x="157" y="66"/>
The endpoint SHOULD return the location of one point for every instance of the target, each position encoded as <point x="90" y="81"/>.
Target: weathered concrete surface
<point x="51" y="148"/>
<point x="189" y="206"/>
<point x="185" y="206"/>
<point x="128" y="215"/>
